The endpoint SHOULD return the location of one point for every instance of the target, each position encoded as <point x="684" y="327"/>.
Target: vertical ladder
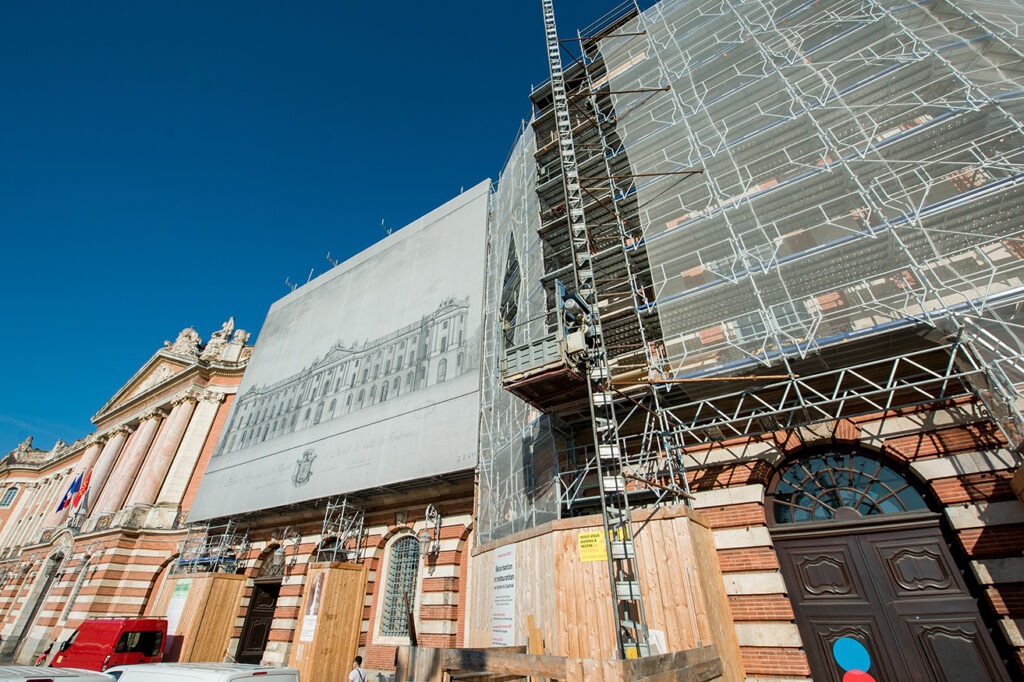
<point x="624" y="577"/>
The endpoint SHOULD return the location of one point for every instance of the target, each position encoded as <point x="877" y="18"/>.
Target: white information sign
<point x="503" y="613"/>
<point x="177" y="604"/>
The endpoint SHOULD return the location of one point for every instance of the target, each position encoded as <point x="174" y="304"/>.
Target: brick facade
<point x="961" y="465"/>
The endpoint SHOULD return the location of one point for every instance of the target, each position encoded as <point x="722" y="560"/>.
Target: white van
<point x="201" y="672"/>
<point x="23" y="673"/>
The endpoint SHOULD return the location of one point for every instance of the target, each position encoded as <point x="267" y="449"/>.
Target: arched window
<point x="841" y="485"/>
<point x="442" y="370"/>
<point x="9" y="496"/>
<point x="509" y="305"/>
<point x="400" y="586"/>
<point x="384" y="391"/>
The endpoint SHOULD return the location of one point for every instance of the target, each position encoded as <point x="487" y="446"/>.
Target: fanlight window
<point x="844" y="486"/>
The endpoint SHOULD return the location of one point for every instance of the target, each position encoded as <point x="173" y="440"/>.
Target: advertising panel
<point x="367" y="376"/>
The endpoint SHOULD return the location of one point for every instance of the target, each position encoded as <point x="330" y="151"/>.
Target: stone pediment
<point x="160" y="369"/>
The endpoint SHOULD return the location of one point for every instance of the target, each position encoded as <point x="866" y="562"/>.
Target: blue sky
<point x="166" y="164"/>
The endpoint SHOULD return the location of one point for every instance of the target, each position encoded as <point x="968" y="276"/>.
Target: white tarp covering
<point x="367" y="376"/>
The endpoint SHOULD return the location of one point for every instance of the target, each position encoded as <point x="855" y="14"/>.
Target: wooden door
<point x="256" y="629"/>
<point x="894" y="588"/>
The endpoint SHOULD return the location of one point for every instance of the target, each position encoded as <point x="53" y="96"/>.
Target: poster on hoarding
<point x="503" y="611"/>
<point x="592" y="546"/>
<point x="176" y="605"/>
<point x="312" y="611"/>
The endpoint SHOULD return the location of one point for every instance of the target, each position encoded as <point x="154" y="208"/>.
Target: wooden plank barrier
<point x="562" y="596"/>
<point x="203" y="629"/>
<point x="424" y="664"/>
<point x="327" y="637"/>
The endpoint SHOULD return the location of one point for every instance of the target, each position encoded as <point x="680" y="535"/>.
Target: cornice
<point x="196" y="377"/>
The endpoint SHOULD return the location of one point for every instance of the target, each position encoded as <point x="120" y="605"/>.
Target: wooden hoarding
<point x="327" y="634"/>
<point x="201" y="610"/>
<point x="561" y="581"/>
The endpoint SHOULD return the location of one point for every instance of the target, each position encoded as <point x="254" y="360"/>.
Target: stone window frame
<point x="407" y="535"/>
<point x="10" y="494"/>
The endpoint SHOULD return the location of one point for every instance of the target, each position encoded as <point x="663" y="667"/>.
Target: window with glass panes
<point x="843" y="485"/>
<point x="400" y="588"/>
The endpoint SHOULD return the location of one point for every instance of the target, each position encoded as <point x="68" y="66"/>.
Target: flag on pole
<point x="70" y="494"/>
<point x="81" y="494"/>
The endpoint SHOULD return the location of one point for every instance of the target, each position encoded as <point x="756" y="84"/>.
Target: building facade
<point x="128" y="487"/>
<point x="781" y="242"/>
<point x="353" y="458"/>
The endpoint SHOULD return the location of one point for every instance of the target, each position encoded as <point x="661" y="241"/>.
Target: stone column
<point x="154" y="469"/>
<point x="34" y="490"/>
<point x="118" y="484"/>
<point x="53" y="493"/>
<point x="92" y="453"/>
<point x="180" y="472"/>
<point x="52" y="517"/>
<point x="105" y="464"/>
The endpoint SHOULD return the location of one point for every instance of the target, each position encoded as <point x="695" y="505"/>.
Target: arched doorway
<point x="26" y="620"/>
<point x="266" y="589"/>
<point x="871" y="578"/>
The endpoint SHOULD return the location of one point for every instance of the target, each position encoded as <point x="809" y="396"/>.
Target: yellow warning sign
<point x="592" y="547"/>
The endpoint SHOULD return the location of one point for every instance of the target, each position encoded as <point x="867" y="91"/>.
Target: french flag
<point x="70" y="494"/>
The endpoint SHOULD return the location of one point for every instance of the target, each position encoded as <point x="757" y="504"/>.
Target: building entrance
<point x="256" y="630"/>
<point x="873" y="584"/>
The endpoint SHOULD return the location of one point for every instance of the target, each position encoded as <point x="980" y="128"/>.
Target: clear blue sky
<point x="166" y="164"/>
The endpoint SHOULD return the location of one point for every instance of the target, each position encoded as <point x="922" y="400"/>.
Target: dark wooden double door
<point x="893" y="587"/>
<point x="258" y="620"/>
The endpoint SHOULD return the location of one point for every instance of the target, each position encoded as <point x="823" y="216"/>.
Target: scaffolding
<point x="341" y="537"/>
<point x="212" y="548"/>
<point x="861" y="203"/>
<point x="855" y="245"/>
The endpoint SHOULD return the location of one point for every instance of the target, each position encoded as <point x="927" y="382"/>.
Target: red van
<point x="102" y="643"/>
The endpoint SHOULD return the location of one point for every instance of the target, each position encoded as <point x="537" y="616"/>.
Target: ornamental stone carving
<point x="189" y="395"/>
<point x="187" y="343"/>
<point x="155" y="413"/>
<point x="218" y="341"/>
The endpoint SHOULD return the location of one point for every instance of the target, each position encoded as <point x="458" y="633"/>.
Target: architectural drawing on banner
<point x="373" y="363"/>
<point x="353" y="377"/>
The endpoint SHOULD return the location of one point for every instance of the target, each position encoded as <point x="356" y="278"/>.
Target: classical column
<point x="118" y="484"/>
<point x="154" y="469"/>
<point x="180" y="472"/>
<point x="34" y="490"/>
<point x="52" y="495"/>
<point x="105" y="463"/>
<point x="92" y="453"/>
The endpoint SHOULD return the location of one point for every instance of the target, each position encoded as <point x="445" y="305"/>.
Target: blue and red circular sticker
<point x="853" y="658"/>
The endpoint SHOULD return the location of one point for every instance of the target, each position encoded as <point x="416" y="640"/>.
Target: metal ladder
<point x="624" y="577"/>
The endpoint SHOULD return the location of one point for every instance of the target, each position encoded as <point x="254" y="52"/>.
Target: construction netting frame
<point x="518" y="445"/>
<point x="864" y="169"/>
